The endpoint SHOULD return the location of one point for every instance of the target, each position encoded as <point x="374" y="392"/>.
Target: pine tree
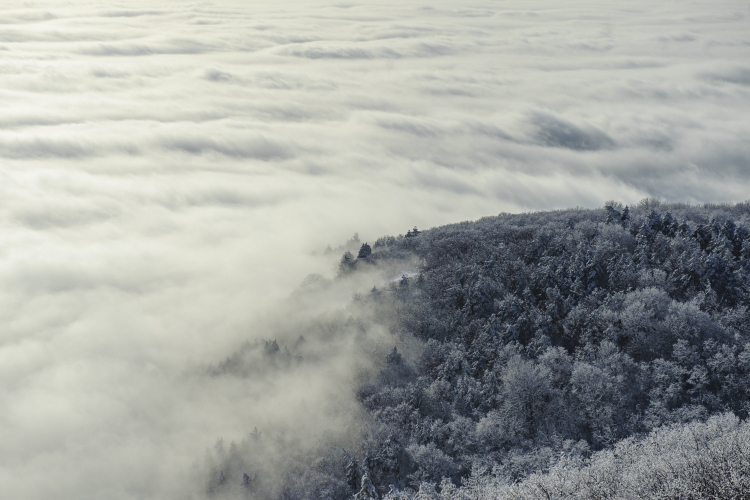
<point x="612" y="214"/>
<point x="346" y="265"/>
<point x="352" y="473"/>
<point x="669" y="226"/>
<point x="367" y="490"/>
<point x="247" y="481"/>
<point x="625" y="217"/>
<point x="394" y="358"/>
<point x="654" y="222"/>
<point x="703" y="235"/>
<point x="364" y="251"/>
<point x="271" y="347"/>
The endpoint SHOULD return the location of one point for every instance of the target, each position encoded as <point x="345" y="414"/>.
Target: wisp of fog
<point x="170" y="171"/>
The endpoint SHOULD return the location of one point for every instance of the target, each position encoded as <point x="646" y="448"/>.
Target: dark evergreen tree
<point x="353" y="473"/>
<point x="625" y="218"/>
<point x="364" y="251"/>
<point x="613" y="215"/>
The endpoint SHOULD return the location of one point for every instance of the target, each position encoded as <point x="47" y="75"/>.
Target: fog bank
<point x="167" y="169"/>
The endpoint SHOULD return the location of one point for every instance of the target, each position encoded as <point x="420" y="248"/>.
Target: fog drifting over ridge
<point x="166" y="168"/>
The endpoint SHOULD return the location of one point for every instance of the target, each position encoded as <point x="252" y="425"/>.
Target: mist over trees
<point x="576" y="353"/>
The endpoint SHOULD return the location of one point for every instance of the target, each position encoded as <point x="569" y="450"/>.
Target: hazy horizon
<point x="168" y="168"/>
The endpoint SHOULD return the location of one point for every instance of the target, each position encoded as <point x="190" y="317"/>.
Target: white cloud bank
<point x="166" y="168"/>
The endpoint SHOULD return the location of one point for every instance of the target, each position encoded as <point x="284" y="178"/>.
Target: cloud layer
<point x="166" y="169"/>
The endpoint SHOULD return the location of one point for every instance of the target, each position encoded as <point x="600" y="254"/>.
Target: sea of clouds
<point x="167" y="169"/>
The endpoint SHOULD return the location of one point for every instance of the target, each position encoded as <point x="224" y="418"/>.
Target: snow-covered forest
<point x="569" y="354"/>
<point x="232" y="265"/>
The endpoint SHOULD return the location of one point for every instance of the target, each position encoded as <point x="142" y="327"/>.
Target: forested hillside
<point x="581" y="353"/>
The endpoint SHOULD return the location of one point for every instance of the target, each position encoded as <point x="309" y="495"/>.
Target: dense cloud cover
<point x="166" y="168"/>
